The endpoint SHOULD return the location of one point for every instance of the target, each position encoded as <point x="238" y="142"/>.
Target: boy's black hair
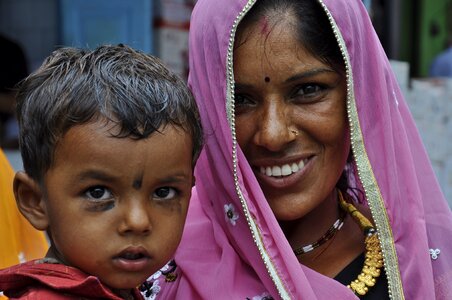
<point x="116" y="83"/>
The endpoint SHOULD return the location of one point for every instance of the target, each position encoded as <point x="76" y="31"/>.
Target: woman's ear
<point x="30" y="200"/>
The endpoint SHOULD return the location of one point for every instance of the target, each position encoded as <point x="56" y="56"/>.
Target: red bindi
<point x="264" y="25"/>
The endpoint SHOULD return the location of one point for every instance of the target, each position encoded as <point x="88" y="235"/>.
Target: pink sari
<point x="233" y="247"/>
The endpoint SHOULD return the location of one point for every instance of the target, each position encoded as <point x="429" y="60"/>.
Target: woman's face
<point x="290" y="118"/>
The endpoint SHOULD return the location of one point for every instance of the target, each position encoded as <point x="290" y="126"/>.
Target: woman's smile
<point x="285" y="170"/>
<point x="283" y="175"/>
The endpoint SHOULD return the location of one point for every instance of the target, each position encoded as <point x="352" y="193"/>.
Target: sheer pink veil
<point x="233" y="247"/>
<point x="419" y="217"/>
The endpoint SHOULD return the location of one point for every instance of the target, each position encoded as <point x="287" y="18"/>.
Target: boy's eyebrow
<point x="93" y="174"/>
<point x="99" y="175"/>
<point x="176" y="178"/>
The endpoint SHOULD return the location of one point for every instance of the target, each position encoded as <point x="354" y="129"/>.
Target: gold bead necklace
<point x="373" y="256"/>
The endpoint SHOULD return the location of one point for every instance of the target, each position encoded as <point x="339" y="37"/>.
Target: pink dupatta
<point x="233" y="247"/>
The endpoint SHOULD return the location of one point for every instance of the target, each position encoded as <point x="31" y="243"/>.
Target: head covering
<point x="233" y="247"/>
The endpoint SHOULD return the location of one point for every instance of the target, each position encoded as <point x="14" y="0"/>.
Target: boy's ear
<point x="30" y="200"/>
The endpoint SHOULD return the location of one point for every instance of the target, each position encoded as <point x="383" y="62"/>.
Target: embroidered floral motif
<point x="231" y="214"/>
<point x="264" y="296"/>
<point x="434" y="253"/>
<point x="170" y="271"/>
<point x="151" y="287"/>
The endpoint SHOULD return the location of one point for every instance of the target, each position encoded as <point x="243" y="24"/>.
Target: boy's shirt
<point x="40" y="280"/>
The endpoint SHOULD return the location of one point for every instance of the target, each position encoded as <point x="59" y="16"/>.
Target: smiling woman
<point x="298" y="119"/>
<point x="314" y="183"/>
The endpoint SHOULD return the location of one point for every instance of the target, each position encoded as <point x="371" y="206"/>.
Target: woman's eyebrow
<point x="240" y="86"/>
<point x="308" y="74"/>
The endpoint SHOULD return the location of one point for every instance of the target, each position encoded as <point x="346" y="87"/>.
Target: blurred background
<point x="413" y="33"/>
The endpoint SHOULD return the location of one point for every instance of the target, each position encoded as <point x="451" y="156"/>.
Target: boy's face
<point x="116" y="207"/>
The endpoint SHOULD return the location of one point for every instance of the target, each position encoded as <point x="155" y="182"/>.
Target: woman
<point x="306" y="127"/>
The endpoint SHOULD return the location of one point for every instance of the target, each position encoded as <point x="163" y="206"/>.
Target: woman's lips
<point x="283" y="175"/>
<point x="132" y="259"/>
<point x="285" y="169"/>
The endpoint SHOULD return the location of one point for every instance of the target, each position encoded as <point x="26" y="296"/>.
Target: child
<point x="109" y="139"/>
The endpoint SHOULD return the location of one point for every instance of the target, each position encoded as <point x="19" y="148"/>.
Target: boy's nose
<point x="136" y="218"/>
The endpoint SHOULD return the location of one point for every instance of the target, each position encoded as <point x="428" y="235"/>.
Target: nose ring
<point x="295" y="132"/>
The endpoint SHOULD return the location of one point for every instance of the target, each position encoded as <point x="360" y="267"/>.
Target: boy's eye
<point x="98" y="193"/>
<point x="165" y="193"/>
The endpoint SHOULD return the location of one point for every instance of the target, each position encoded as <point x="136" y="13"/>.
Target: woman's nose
<point x="136" y="218"/>
<point x="274" y="129"/>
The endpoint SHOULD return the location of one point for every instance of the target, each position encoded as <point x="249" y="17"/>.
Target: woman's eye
<point x="242" y="100"/>
<point x="309" y="90"/>
<point x="98" y="193"/>
<point x="165" y="193"/>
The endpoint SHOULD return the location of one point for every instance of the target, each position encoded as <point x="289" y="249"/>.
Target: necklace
<point x="324" y="238"/>
<point x="373" y="256"/>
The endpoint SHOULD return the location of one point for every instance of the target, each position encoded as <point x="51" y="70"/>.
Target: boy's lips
<point x="132" y="259"/>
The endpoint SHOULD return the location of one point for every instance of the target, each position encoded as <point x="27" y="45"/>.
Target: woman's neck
<point x="312" y="226"/>
<point x="335" y="254"/>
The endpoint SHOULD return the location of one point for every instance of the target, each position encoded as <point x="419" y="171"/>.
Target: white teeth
<point x="301" y="164"/>
<point x="276" y="171"/>
<point x="268" y="171"/>
<point x="284" y="170"/>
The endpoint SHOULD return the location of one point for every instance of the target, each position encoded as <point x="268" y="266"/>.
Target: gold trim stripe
<point x="255" y="231"/>
<point x="367" y="178"/>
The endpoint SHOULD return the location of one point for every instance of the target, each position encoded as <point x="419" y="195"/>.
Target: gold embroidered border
<point x="367" y="178"/>
<point x="255" y="231"/>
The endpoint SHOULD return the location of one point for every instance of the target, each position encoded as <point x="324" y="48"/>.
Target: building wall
<point x="424" y="26"/>
<point x="33" y="24"/>
<point x="433" y="31"/>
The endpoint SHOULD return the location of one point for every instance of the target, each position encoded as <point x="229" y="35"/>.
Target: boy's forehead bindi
<point x="137" y="182"/>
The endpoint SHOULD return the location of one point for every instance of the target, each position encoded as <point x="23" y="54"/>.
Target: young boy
<point x="109" y="139"/>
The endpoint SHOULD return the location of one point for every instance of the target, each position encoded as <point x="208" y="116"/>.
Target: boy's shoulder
<point x="35" y="279"/>
<point x="39" y="279"/>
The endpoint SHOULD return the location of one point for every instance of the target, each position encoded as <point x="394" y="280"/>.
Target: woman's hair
<point x="309" y="22"/>
<point x="113" y="83"/>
